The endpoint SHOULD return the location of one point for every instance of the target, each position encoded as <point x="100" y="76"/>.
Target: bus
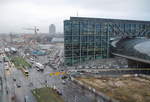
<point x="25" y="71"/>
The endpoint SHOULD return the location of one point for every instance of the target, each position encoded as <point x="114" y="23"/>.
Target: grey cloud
<point x="18" y="13"/>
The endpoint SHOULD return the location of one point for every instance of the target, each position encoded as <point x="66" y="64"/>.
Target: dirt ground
<point x="124" y="89"/>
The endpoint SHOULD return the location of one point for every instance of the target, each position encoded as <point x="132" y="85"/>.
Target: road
<point x="5" y="93"/>
<point x="70" y="91"/>
<point x="37" y="79"/>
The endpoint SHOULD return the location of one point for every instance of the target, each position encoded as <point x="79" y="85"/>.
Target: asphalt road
<point x="37" y="79"/>
<point x="5" y="84"/>
<point x="70" y="91"/>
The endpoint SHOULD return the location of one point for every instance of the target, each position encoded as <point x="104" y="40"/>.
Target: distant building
<point x="57" y="40"/>
<point x="52" y="29"/>
<point x="88" y="38"/>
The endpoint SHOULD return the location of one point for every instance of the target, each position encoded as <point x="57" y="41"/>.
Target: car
<point x="30" y="84"/>
<point x="87" y="67"/>
<point x="31" y="59"/>
<point x="96" y="72"/>
<point x="37" y="69"/>
<point x="88" y="71"/>
<point x="94" y="67"/>
<point x="58" y="92"/>
<point x="32" y="62"/>
<point x="18" y="84"/>
<point x="82" y="71"/>
<point x="14" y="79"/>
<point x="80" y="67"/>
<point x="5" y="64"/>
<point x="13" y="97"/>
<point x="63" y="81"/>
<point x="27" y="99"/>
<point x="6" y="68"/>
<point x="64" y="77"/>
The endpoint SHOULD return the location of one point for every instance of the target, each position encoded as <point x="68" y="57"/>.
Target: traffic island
<point x="21" y="63"/>
<point x="47" y="95"/>
<point x="125" y="88"/>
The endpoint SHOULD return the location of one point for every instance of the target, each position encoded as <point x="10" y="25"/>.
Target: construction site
<point x="125" y="88"/>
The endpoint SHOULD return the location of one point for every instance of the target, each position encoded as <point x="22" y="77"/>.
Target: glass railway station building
<point x="89" y="38"/>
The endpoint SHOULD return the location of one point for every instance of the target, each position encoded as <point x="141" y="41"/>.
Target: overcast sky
<point x="18" y="14"/>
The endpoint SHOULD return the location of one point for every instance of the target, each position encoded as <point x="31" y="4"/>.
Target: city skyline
<point x="17" y="14"/>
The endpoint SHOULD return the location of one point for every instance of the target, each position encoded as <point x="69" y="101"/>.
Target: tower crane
<point x="35" y="29"/>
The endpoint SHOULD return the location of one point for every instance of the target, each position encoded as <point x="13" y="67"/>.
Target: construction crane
<point x="35" y="29"/>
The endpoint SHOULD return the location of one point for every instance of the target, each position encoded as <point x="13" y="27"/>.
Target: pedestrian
<point x="7" y="91"/>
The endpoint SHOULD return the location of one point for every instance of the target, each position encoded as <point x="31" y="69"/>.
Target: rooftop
<point x="110" y="19"/>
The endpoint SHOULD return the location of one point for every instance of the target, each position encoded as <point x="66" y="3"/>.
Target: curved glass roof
<point x="137" y="47"/>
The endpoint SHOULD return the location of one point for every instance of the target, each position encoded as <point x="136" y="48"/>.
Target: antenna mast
<point x="77" y="13"/>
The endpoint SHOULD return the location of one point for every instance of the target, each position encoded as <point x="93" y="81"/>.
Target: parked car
<point x="64" y="77"/>
<point x="14" y="79"/>
<point x="18" y="84"/>
<point x="58" y="92"/>
<point x="63" y="82"/>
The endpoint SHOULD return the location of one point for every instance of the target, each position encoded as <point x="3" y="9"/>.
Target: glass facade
<point x="88" y="38"/>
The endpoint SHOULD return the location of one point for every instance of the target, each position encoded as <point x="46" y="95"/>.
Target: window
<point x="67" y="28"/>
<point x="83" y="46"/>
<point x="68" y="53"/>
<point x="83" y="27"/>
<point x="68" y="46"/>
<point x="76" y="46"/>
<point x="68" y="61"/>
<point x="75" y="28"/>
<point x="76" y="53"/>
<point x="97" y="38"/>
<point x="75" y="39"/>
<point x="83" y="39"/>
<point x="83" y="52"/>
<point x="76" y="60"/>
<point x="68" y="39"/>
<point x="98" y="29"/>
<point x="90" y="39"/>
<point x="90" y="45"/>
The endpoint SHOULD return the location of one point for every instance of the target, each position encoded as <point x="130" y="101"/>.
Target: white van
<point x="39" y="66"/>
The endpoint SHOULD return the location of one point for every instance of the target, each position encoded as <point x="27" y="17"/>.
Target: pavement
<point x="5" y="89"/>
